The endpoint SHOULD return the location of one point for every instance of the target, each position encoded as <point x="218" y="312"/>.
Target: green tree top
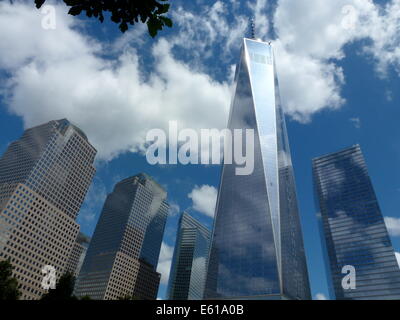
<point x="128" y="297"/>
<point x="63" y="290"/>
<point x="123" y="12"/>
<point x="8" y="284"/>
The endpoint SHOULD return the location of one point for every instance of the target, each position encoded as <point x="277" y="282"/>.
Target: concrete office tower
<point x="78" y="254"/>
<point x="352" y="228"/>
<point x="257" y="247"/>
<point x="123" y="254"/>
<point x="44" y="177"/>
<point x="189" y="264"/>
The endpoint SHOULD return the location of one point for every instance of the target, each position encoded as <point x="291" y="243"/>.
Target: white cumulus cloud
<point x="94" y="200"/>
<point x="312" y="37"/>
<point x="64" y="72"/>
<point x="393" y="226"/>
<point x="59" y="73"/>
<point x="204" y="199"/>
<point x="174" y="208"/>
<point x="164" y="262"/>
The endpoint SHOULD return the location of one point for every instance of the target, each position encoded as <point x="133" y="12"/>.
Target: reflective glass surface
<point x="353" y="229"/>
<point x="248" y="259"/>
<point x="131" y="225"/>
<point x="189" y="263"/>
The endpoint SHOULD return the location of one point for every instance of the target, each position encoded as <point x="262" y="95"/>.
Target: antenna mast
<point x="252" y="28"/>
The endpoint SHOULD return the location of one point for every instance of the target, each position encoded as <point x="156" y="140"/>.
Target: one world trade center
<point x="257" y="249"/>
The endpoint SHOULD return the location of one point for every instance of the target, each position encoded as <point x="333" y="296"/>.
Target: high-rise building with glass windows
<point x="123" y="254"/>
<point x="44" y="177"/>
<point x="189" y="263"/>
<point x="353" y="231"/>
<point x="257" y="249"/>
<point x="78" y="254"/>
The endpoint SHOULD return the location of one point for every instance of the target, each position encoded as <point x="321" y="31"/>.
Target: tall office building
<point x="44" y="177"/>
<point x="189" y="263"/>
<point x="123" y="253"/>
<point x="78" y="254"/>
<point x="353" y="231"/>
<point x="257" y="247"/>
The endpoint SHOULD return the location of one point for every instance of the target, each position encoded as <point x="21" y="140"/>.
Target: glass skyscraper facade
<point x="55" y="160"/>
<point x="189" y="262"/>
<point x="44" y="177"/>
<point x="352" y="228"/>
<point x="78" y="254"/>
<point x="257" y="249"/>
<point x="123" y="254"/>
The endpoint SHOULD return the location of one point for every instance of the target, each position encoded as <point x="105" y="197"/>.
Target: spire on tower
<point x="252" y="28"/>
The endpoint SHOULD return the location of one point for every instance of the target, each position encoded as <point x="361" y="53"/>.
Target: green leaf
<point x="152" y="27"/>
<point x="75" y="10"/>
<point x="115" y="18"/>
<point x="167" y="21"/>
<point x="123" y="12"/>
<point x="163" y="8"/>
<point x="39" y="3"/>
<point x="123" y="26"/>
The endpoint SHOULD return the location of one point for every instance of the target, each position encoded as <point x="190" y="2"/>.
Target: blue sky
<point x="338" y="68"/>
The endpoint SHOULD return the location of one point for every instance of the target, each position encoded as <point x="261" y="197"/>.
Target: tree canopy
<point x="63" y="290"/>
<point x="129" y="297"/>
<point x="8" y="284"/>
<point x="123" y="12"/>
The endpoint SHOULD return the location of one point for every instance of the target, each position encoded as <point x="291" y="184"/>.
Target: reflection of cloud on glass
<point x="93" y="201"/>
<point x="164" y="262"/>
<point x="242" y="247"/>
<point x="393" y="226"/>
<point x="189" y="263"/>
<point x="353" y="227"/>
<point x="248" y="285"/>
<point x="257" y="240"/>
<point x="173" y="209"/>
<point x="333" y="183"/>
<point x="320" y="296"/>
